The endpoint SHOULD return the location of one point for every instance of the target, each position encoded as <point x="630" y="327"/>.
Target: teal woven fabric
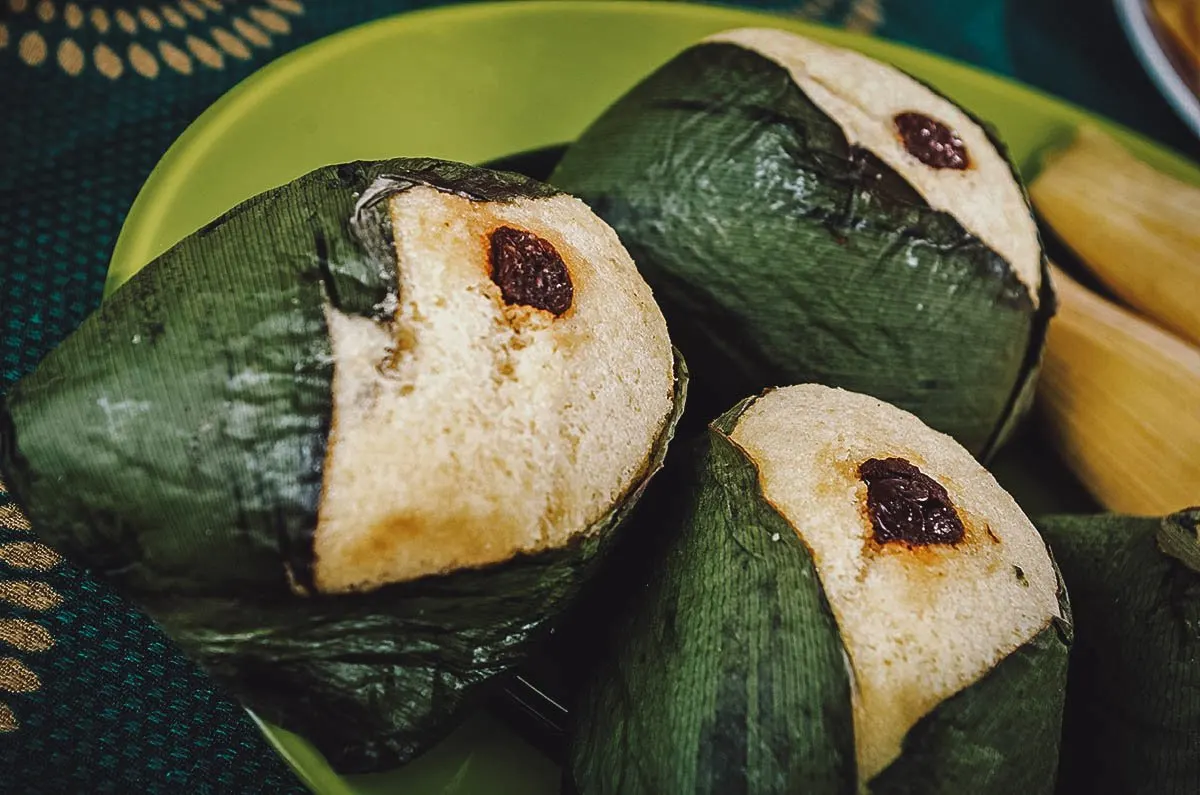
<point x="94" y="698"/>
<point x="118" y="709"/>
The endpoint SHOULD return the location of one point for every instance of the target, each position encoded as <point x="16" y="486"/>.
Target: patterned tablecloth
<point x="93" y="698"/>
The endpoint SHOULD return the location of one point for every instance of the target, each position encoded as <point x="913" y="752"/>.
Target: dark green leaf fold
<point x="998" y="736"/>
<point x="729" y="675"/>
<point x="727" y="672"/>
<point x="1132" y="722"/>
<point x="781" y="254"/>
<point x="175" y="443"/>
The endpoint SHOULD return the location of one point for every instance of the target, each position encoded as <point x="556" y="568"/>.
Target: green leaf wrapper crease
<point x="324" y="665"/>
<point x="699" y="692"/>
<point x="998" y="736"/>
<point x="718" y="161"/>
<point x="1179" y="538"/>
<point x="238" y="311"/>
<point x="198" y="503"/>
<point x="1023" y="394"/>
<point x="731" y="676"/>
<point x="1132" y="723"/>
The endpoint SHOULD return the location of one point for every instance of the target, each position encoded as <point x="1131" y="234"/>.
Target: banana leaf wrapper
<point x="780" y="254"/>
<point x="1000" y="735"/>
<point x="1132" y="721"/>
<point x="174" y="446"/>
<point x="727" y="672"/>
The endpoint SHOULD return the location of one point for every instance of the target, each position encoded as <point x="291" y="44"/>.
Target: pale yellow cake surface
<point x="863" y="95"/>
<point x="467" y="430"/>
<point x="919" y="623"/>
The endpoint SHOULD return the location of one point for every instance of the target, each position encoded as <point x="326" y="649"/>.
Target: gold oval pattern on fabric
<point x="29" y="555"/>
<point x="251" y="32"/>
<point x="108" y="63"/>
<point x="175" y="58"/>
<point x="70" y="57"/>
<point x="32" y="48"/>
<point x="73" y="16"/>
<point x="142" y="61"/>
<point x="21" y="635"/>
<point x="231" y="44"/>
<point x="192" y="10"/>
<point x="25" y="635"/>
<point x="8" y="721"/>
<point x="16" y="678"/>
<point x="12" y="519"/>
<point x="272" y="21"/>
<point x="126" y="21"/>
<point x="149" y="19"/>
<point x="152" y="26"/>
<point x="30" y="594"/>
<point x="205" y="53"/>
<point x="865" y="16"/>
<point x="100" y="20"/>
<point x="173" y="17"/>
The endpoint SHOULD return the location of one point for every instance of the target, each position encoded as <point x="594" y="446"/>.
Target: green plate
<point x="478" y="82"/>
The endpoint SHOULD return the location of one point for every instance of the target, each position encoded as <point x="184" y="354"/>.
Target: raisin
<point x="931" y="142"/>
<point x="907" y="506"/>
<point x="529" y="271"/>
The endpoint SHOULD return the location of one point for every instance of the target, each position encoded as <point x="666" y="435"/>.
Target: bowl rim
<point x="1135" y="18"/>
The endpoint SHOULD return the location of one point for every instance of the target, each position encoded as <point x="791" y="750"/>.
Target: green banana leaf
<point x="1132" y="722"/>
<point x="728" y="674"/>
<point x="1001" y="734"/>
<point x="780" y="254"/>
<point x="174" y="445"/>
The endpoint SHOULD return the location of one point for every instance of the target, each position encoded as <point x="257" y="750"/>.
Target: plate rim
<point x="1135" y="19"/>
<point x="130" y="252"/>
